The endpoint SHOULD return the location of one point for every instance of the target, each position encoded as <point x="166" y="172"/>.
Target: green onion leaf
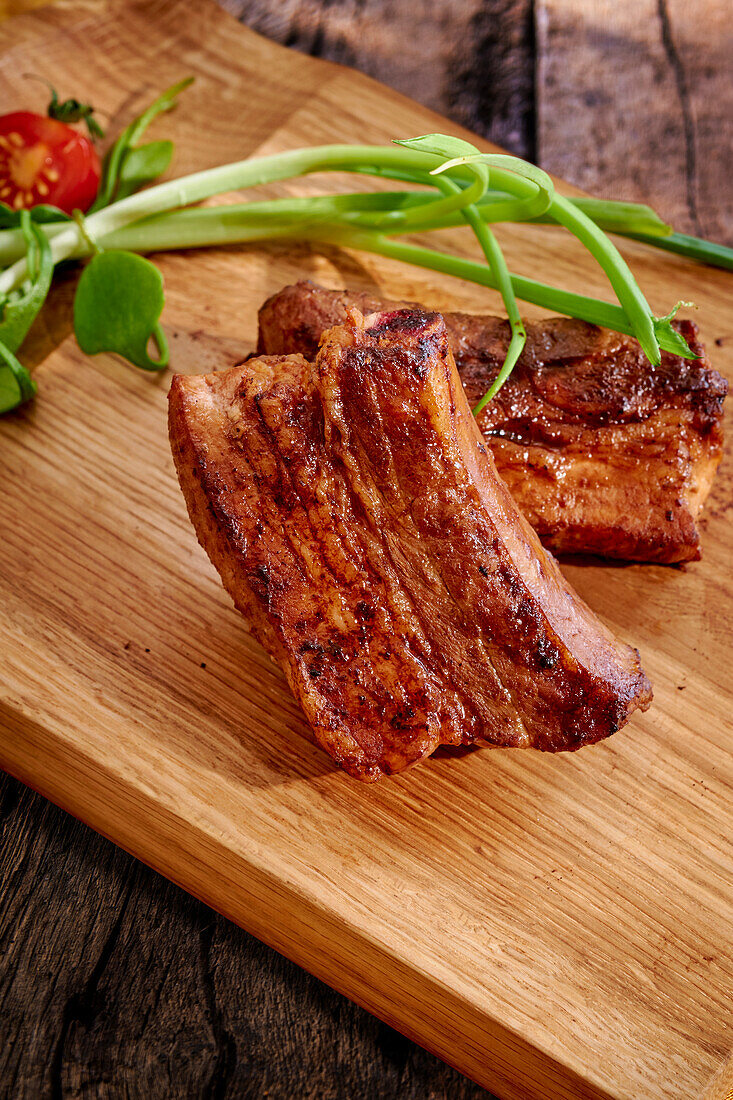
<point x="695" y="248"/>
<point x="142" y="165"/>
<point x="624" y="217"/>
<point x="117" y="308"/>
<point x="497" y="264"/>
<point x="535" y="206"/>
<point x="403" y="220"/>
<point x="476" y="162"/>
<point x="113" y="167"/>
<point x="42" y="214"/>
<point x="441" y="145"/>
<point x="20" y="312"/>
<point x="16" y="384"/>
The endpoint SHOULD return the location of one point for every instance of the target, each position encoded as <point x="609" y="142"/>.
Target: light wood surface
<point x="554" y="927"/>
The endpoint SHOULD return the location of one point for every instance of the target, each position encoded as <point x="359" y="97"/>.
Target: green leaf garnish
<point x="521" y="168"/>
<point x="41" y="214"/>
<point x="705" y="252"/>
<point x="117" y="308"/>
<point x="141" y="165"/>
<point x="114" y="161"/>
<point x="461" y="154"/>
<point x="120" y="298"/>
<point x="19" y="313"/>
<point x="455" y="200"/>
<point x="16" y="384"/>
<point x="624" y="217"/>
<point x="668" y="335"/>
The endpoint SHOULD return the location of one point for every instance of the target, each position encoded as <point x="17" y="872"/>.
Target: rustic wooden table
<point x="115" y="983"/>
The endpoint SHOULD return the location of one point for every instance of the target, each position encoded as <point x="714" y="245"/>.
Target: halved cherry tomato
<point x="43" y="160"/>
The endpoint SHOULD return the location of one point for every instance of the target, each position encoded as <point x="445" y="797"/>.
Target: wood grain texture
<point x="554" y="927"/>
<point x="158" y="996"/>
<point x="628" y="99"/>
<point x="636" y="101"/>
<point x="471" y="59"/>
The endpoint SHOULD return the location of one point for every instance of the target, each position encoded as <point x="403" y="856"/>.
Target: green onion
<point x="211" y="226"/>
<point x="475" y="189"/>
<point x="694" y="247"/>
<point x="494" y="255"/>
<point x="627" y="219"/>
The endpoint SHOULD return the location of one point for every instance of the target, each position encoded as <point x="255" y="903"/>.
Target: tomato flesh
<point x="43" y="160"/>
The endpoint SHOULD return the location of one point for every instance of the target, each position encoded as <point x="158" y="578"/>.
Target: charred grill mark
<point x="261" y="578"/>
<point x="400" y="321"/>
<point x="547" y="653"/>
<point x="403" y="718"/>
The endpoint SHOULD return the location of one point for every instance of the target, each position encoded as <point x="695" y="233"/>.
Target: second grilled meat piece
<point x="602" y="453"/>
<point x="356" y="518"/>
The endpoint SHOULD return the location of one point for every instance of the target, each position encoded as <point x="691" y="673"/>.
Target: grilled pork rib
<point x="357" y="520"/>
<point x="602" y="453"/>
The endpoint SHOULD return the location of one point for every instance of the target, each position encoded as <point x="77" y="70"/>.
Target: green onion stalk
<point x="457" y="184"/>
<point x="624" y="218"/>
<point x="212" y="226"/>
<point x="100" y="227"/>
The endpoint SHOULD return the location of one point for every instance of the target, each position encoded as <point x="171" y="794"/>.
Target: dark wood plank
<point x="470" y="59"/>
<point x="635" y="101"/>
<point x="116" y="983"/>
<point x="627" y="100"/>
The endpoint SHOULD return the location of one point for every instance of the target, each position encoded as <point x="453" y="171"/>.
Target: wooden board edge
<point x="418" y="1006"/>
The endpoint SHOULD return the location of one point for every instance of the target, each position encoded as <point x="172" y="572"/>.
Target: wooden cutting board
<point x="554" y="927"/>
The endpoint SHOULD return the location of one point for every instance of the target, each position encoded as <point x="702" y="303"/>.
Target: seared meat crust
<point x="357" y="520"/>
<point x="602" y="453"/>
